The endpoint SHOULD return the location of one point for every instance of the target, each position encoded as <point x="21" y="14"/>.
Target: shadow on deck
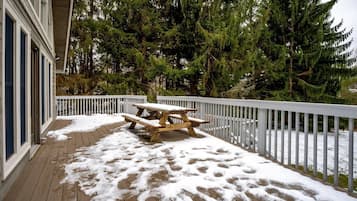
<point x="41" y="177"/>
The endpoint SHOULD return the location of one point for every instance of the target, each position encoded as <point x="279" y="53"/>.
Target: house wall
<point x="39" y="29"/>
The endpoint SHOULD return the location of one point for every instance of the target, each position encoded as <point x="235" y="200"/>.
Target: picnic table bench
<point x="165" y="114"/>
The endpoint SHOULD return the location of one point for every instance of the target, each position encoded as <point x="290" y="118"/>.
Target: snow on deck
<point x="122" y="166"/>
<point x="83" y="123"/>
<point x="342" y="147"/>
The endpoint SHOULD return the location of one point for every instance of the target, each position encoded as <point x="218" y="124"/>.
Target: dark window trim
<point x="9" y="85"/>
<point x="23" y="67"/>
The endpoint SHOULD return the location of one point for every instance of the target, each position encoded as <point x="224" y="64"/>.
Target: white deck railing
<point x="87" y="105"/>
<point x="306" y="136"/>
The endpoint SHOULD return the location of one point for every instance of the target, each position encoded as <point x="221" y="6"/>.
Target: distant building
<point x="34" y="41"/>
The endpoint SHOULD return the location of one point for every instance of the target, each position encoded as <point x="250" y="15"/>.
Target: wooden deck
<point x="41" y="177"/>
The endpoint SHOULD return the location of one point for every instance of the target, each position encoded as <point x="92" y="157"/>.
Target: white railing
<point x="87" y="105"/>
<point x="317" y="138"/>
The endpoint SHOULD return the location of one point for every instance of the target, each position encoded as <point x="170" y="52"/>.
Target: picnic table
<point x="165" y="114"/>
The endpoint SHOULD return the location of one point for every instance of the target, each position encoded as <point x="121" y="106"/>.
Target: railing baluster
<point x="240" y="125"/>
<point x="229" y="122"/>
<point x="95" y="106"/>
<point x="306" y="140"/>
<point x="297" y="130"/>
<point x="262" y="127"/>
<point x="335" y="167"/>
<point x="270" y="114"/>
<point x="235" y="124"/>
<point x="276" y="119"/>
<point x="246" y="119"/>
<point x="81" y="106"/>
<point x="59" y="104"/>
<point x="350" y="154"/>
<point x="104" y="106"/>
<point x="315" y="128"/>
<point x="249" y="128"/>
<point x="92" y="106"/>
<point x="254" y="129"/>
<point x="221" y="123"/>
<point x="77" y="106"/>
<point x="99" y="102"/>
<point x="214" y="112"/>
<point x="289" y="138"/>
<point x="282" y="125"/>
<point x="325" y="130"/>
<point x="72" y="106"/>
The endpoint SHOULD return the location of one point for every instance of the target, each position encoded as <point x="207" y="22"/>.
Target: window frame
<point x="26" y="87"/>
<point x="20" y="150"/>
<point x="5" y="108"/>
<point x="44" y="101"/>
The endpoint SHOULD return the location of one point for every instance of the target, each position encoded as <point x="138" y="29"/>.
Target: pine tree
<point x="308" y="51"/>
<point x="129" y="36"/>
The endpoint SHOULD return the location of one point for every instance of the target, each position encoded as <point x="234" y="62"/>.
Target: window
<point x="43" y="94"/>
<point x="9" y="87"/>
<point x="23" y="62"/>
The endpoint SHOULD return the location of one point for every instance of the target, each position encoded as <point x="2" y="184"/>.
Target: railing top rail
<point x="100" y="96"/>
<point x="347" y="111"/>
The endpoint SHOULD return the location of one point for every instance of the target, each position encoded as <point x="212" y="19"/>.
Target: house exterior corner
<point x="29" y="62"/>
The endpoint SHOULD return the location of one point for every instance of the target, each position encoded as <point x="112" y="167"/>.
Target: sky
<point x="346" y="10"/>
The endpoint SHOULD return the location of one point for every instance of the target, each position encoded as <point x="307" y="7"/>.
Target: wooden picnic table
<point x="164" y="113"/>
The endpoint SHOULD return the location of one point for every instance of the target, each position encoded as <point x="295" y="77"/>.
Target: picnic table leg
<point x="155" y="136"/>
<point x="164" y="118"/>
<point x="140" y="111"/>
<point x="153" y="115"/>
<point x="191" y="132"/>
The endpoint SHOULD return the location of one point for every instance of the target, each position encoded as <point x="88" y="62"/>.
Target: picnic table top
<point x="163" y="107"/>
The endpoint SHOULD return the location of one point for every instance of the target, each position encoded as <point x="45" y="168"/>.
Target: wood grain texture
<point x="42" y="176"/>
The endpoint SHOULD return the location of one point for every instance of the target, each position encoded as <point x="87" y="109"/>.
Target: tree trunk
<point x="90" y="54"/>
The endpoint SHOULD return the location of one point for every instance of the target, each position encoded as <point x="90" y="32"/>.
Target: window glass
<point x="23" y="62"/>
<point x="49" y="91"/>
<point x="43" y="89"/>
<point x="9" y="86"/>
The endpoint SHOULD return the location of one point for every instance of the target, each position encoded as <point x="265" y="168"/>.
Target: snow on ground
<point x="343" y="150"/>
<point x="84" y="123"/>
<point x="123" y="166"/>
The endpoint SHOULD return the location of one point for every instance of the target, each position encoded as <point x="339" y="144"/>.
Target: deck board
<point x="41" y="178"/>
<point x="56" y="189"/>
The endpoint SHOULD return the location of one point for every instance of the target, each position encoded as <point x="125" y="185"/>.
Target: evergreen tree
<point x="309" y="53"/>
<point x="266" y="49"/>
<point x="129" y="36"/>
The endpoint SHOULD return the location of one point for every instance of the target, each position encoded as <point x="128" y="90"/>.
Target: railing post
<point x="118" y="105"/>
<point x="125" y="101"/>
<point x="201" y="110"/>
<point x="262" y="128"/>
